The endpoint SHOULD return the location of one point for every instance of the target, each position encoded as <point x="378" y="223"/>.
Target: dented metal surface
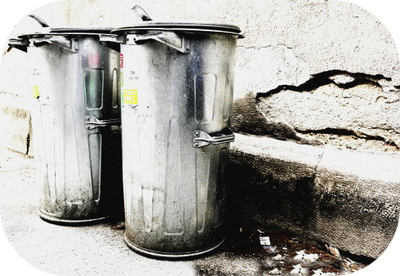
<point x="73" y="78"/>
<point x="174" y="190"/>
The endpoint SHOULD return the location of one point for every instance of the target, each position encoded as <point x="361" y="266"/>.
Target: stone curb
<point x="346" y="199"/>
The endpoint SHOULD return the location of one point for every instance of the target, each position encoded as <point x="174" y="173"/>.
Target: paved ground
<point x="90" y="250"/>
<point x="100" y="249"/>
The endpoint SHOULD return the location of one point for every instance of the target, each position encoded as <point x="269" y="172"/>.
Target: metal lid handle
<point x="40" y="20"/>
<point x="142" y="13"/>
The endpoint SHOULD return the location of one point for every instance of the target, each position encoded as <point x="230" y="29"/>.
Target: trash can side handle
<point x="18" y="43"/>
<point x="93" y="122"/>
<point x="60" y="41"/>
<point x="112" y="41"/>
<point x="202" y="139"/>
<point x="171" y="39"/>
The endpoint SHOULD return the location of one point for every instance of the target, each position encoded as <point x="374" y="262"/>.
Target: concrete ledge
<point x="347" y="199"/>
<point x="15" y="124"/>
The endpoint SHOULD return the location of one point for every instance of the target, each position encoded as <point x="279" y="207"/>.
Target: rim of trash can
<point x="184" y="27"/>
<point x="81" y="30"/>
<point x="69" y="32"/>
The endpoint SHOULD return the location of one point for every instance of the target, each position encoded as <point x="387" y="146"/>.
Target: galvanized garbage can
<point x="75" y="123"/>
<point x="177" y="85"/>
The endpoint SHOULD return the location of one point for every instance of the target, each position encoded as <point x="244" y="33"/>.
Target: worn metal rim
<point x="170" y="255"/>
<point x="33" y="35"/>
<point x="184" y="27"/>
<point x="186" y="31"/>
<point x="55" y="220"/>
<point x="81" y="30"/>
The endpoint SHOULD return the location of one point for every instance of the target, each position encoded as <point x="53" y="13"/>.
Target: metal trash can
<point x="75" y="123"/>
<point x="177" y="93"/>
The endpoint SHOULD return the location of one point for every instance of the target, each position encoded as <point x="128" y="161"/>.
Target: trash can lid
<point x="68" y="32"/>
<point x="180" y="27"/>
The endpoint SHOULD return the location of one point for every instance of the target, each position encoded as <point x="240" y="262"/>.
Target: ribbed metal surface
<point x="79" y="169"/>
<point x="174" y="193"/>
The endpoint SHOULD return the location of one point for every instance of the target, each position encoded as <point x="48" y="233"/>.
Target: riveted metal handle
<point x="202" y="139"/>
<point x="18" y="43"/>
<point x="170" y="39"/>
<point x="142" y="13"/>
<point x="60" y="41"/>
<point x="111" y="38"/>
<point x="93" y="122"/>
<point x="39" y="20"/>
<point x="111" y="41"/>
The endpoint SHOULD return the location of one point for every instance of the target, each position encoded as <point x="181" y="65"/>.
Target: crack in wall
<point x="351" y="133"/>
<point x="249" y="117"/>
<point x="28" y="142"/>
<point x="328" y="77"/>
<point x="265" y="47"/>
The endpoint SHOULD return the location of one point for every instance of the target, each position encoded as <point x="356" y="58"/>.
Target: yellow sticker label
<point x="130" y="97"/>
<point x="35" y="92"/>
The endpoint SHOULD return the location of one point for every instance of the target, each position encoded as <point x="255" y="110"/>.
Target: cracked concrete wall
<point x="287" y="43"/>
<point x="338" y="108"/>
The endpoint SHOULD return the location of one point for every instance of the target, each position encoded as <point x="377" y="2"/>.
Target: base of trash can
<point x="170" y="255"/>
<point x="76" y="222"/>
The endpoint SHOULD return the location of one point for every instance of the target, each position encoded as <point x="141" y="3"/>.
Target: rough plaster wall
<point x="287" y="43"/>
<point x="333" y="121"/>
<point x="336" y="106"/>
<point x="303" y="37"/>
<point x="14" y="69"/>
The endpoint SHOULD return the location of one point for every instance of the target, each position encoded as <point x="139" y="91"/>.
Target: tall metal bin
<point x="177" y="92"/>
<point x="75" y="123"/>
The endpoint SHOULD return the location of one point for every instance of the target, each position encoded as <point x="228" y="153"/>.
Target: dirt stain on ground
<point x="281" y="254"/>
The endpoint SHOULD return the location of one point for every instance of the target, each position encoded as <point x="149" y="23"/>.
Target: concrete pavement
<point x="88" y="250"/>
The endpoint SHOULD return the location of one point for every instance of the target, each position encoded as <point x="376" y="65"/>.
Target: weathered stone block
<point x="15" y="126"/>
<point x="347" y="199"/>
<point x="358" y="201"/>
<point x="274" y="180"/>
